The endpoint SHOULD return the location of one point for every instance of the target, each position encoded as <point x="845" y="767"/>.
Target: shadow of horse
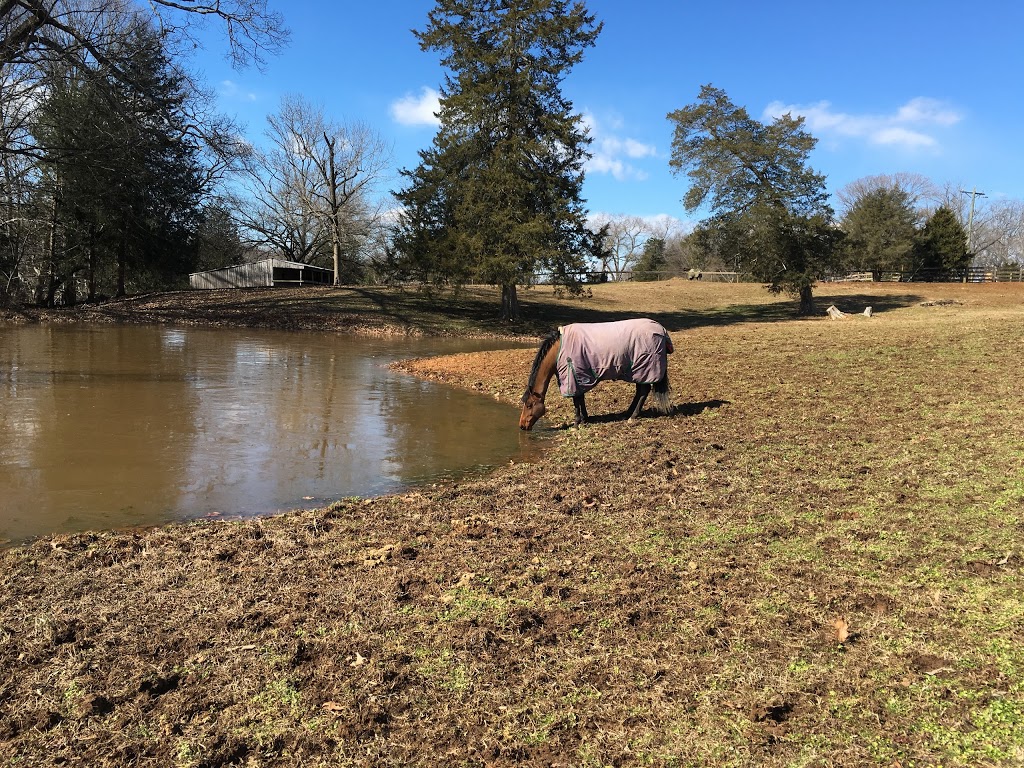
<point x="696" y="409"/>
<point x="686" y="409"/>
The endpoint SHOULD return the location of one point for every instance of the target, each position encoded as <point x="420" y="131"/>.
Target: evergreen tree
<point x="126" y="170"/>
<point x="219" y="242"/>
<point x="498" y="193"/>
<point x="942" y="244"/>
<point x="880" y="228"/>
<point x="768" y="209"/>
<point x="652" y="260"/>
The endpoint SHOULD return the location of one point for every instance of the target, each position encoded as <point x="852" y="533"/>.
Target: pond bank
<point x="816" y="559"/>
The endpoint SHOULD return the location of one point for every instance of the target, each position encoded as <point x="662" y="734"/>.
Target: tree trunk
<point x="336" y="248"/>
<point x="51" y="256"/>
<point x="806" y="301"/>
<point x="70" y="291"/>
<point x="509" y="303"/>
<point x="122" y="259"/>
<point x="91" y="269"/>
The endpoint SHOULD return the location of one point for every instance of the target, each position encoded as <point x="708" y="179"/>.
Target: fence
<point x="592" y="278"/>
<point x="1005" y="274"/>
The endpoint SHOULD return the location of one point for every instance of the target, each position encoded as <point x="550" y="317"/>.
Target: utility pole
<point x="970" y="223"/>
<point x="970" y="218"/>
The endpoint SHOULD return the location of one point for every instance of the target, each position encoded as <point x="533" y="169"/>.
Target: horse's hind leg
<point x="580" y="404"/>
<point x="642" y="390"/>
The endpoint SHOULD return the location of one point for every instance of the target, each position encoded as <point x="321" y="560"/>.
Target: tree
<point x="622" y="242"/>
<point x="942" y="244"/>
<point x="919" y="190"/>
<point x="310" y="192"/>
<point x="274" y="214"/>
<point x="880" y="228"/>
<point x="652" y="260"/>
<point x="497" y="195"/>
<point x="71" y="31"/>
<point x="106" y="145"/>
<point x="683" y="254"/>
<point x="997" y="236"/>
<point x="219" y="242"/>
<point x="41" y="37"/>
<point x="330" y="169"/>
<point x="18" y="223"/>
<point x="766" y="205"/>
<point x="123" y="172"/>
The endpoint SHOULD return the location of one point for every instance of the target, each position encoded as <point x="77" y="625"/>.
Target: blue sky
<point x="935" y="88"/>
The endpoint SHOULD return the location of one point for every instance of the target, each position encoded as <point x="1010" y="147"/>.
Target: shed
<point x="266" y="273"/>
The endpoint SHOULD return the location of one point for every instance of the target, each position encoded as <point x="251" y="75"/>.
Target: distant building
<point x="268" y="273"/>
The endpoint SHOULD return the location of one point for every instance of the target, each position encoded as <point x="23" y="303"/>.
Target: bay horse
<point x="580" y="355"/>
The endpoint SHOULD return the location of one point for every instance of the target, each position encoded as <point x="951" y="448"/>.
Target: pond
<point x="110" y="427"/>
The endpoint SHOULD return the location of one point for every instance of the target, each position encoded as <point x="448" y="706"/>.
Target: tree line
<point x="118" y="175"/>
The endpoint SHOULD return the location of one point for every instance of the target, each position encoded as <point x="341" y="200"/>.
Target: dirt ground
<point x="815" y="560"/>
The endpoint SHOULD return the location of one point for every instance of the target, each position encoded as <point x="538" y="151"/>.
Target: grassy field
<point x="816" y="561"/>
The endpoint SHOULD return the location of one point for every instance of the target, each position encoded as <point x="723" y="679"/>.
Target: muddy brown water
<point x="111" y="427"/>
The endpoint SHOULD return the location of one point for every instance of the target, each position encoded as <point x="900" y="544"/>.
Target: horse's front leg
<point x="580" y="403"/>
<point x="642" y="391"/>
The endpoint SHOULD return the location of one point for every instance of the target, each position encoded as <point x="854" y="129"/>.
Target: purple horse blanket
<point x="629" y="350"/>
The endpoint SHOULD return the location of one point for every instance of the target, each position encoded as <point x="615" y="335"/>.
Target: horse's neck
<point x="545" y="371"/>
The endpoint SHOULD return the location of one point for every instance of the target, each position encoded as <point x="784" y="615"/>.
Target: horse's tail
<point x="661" y="399"/>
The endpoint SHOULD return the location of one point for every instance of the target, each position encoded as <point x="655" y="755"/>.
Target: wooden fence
<point x="1006" y="274"/>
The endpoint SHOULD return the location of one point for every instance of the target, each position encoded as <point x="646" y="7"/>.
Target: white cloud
<point x="611" y="153"/>
<point x="911" y="126"/>
<point x="902" y="136"/>
<point x="417" y="110"/>
<point x="229" y="89"/>
<point x="928" y="110"/>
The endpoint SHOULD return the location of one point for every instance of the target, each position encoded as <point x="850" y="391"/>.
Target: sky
<point x="930" y="87"/>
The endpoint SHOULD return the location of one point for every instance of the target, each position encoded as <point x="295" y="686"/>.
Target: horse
<point x="580" y="355"/>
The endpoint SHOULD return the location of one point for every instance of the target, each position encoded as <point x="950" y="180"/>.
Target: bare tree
<point x="922" y="193"/>
<point x="665" y="227"/>
<point x="998" y="239"/>
<point x="625" y="236"/>
<point x="314" y="184"/>
<point x="33" y="31"/>
<point x="623" y="241"/>
<point x="273" y="215"/>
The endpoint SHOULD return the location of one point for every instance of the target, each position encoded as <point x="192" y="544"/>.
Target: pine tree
<point x="498" y="193"/>
<point x="768" y="208"/>
<point x="651" y="261"/>
<point x="942" y="244"/>
<point x="126" y="169"/>
<point x="880" y="231"/>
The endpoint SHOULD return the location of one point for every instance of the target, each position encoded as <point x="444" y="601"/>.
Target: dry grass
<point x="816" y="561"/>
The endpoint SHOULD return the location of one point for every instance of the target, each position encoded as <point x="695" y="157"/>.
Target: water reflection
<point x="106" y="427"/>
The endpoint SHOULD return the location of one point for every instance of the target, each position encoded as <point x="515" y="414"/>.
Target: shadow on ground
<point x="684" y="409"/>
<point x="543" y="317"/>
<point x="415" y="311"/>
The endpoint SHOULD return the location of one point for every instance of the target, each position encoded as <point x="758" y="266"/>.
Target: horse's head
<point x="533" y="409"/>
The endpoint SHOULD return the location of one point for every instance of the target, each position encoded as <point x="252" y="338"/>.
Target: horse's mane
<point x="545" y="346"/>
